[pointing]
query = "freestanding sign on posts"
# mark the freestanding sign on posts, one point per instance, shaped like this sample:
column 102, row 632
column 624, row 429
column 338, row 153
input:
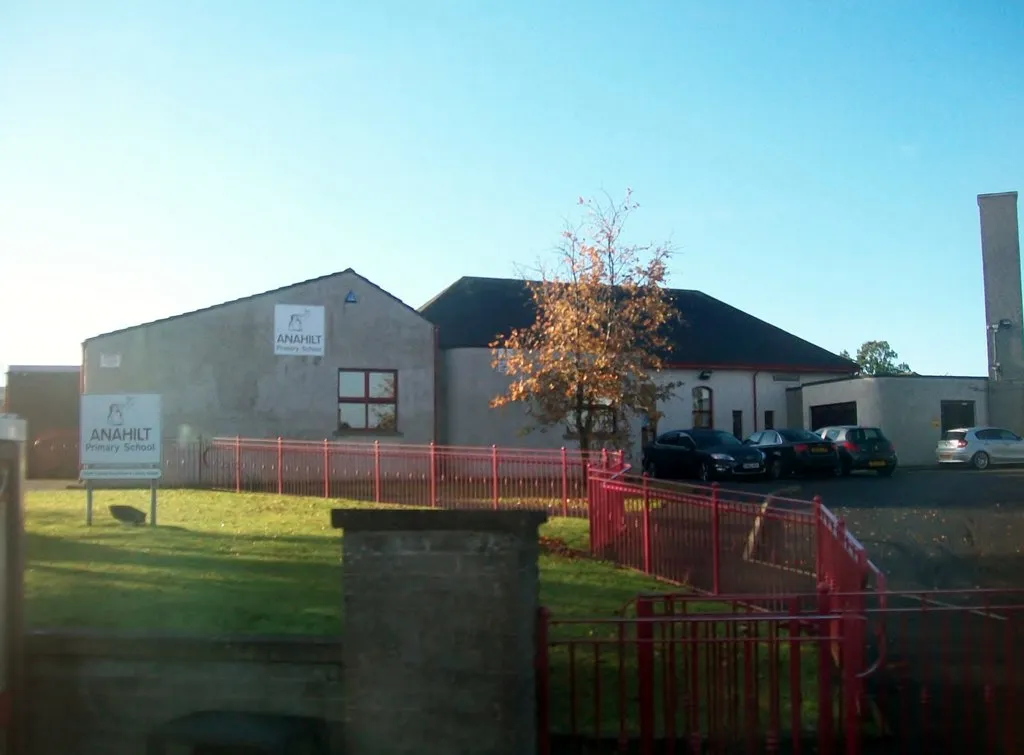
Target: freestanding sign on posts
column 120, row 440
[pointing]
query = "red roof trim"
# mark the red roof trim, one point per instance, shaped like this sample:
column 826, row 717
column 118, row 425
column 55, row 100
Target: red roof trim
column 760, row 367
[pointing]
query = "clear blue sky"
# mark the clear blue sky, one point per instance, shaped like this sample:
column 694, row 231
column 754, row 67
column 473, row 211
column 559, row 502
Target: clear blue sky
column 816, row 163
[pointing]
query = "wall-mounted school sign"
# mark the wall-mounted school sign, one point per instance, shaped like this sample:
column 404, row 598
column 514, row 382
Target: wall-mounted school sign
column 298, row 330
column 120, row 436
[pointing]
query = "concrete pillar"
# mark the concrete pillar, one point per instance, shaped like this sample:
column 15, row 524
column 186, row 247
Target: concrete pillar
column 439, row 625
column 1000, row 253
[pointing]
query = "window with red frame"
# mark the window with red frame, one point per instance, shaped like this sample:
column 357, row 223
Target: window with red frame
column 367, row 400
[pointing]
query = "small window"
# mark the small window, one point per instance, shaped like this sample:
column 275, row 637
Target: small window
column 500, row 360
column 798, row 436
column 861, row 434
column 604, row 416
column 956, row 434
column 737, row 423
column 755, row 439
column 832, row 434
column 769, row 419
column 703, row 407
column 367, row 400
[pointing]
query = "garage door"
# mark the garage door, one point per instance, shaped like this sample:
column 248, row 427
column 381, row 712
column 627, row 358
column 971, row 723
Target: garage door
column 824, row 415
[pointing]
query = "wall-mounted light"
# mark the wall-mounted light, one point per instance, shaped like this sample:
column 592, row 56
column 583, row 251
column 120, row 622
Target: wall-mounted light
column 704, row 375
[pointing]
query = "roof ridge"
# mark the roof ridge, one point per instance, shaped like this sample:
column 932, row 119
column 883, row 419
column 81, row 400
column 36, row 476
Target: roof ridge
column 249, row 297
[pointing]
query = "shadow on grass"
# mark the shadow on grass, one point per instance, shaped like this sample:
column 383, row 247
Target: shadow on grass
column 186, row 581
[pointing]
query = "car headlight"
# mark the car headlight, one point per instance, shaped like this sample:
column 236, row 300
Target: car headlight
column 722, row 457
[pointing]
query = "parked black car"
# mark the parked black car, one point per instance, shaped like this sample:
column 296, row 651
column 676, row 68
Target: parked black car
column 862, row 448
column 701, row 453
column 791, row 452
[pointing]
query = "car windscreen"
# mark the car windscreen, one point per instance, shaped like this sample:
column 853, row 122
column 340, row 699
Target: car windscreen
column 865, row 433
column 796, row 436
column 714, row 438
column 955, row 435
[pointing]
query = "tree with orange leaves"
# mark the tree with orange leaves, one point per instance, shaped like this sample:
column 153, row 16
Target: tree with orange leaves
column 591, row 357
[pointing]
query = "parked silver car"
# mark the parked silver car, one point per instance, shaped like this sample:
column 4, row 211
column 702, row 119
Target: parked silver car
column 980, row 447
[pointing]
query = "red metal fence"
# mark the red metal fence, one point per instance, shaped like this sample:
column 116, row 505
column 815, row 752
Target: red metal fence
column 417, row 475
column 828, row 673
column 715, row 540
column 721, row 541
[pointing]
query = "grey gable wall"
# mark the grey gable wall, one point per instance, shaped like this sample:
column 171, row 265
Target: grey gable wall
column 218, row 374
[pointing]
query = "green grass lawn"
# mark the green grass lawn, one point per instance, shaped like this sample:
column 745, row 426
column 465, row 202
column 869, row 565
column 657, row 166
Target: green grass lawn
column 236, row 564
column 226, row 563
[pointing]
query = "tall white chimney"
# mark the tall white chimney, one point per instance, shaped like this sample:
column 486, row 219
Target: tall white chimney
column 1004, row 311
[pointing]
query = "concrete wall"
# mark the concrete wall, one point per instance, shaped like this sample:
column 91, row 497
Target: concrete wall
column 908, row 409
column 101, row 693
column 218, row 374
column 471, row 382
column 440, row 611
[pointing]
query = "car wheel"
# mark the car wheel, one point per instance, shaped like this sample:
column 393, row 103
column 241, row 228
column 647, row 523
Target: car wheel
column 845, row 468
column 704, row 472
column 980, row 460
column 775, row 469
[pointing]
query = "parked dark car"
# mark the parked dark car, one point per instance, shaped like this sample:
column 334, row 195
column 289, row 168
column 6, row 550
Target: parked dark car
column 789, row 452
column 701, row 453
column 862, row 448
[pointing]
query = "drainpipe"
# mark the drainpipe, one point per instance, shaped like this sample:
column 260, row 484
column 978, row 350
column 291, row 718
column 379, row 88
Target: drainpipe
column 753, row 390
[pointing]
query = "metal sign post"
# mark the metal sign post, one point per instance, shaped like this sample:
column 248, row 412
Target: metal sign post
column 120, row 440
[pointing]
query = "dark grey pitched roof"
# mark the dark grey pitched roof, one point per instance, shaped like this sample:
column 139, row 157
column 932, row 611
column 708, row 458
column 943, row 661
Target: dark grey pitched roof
column 347, row 270
column 472, row 312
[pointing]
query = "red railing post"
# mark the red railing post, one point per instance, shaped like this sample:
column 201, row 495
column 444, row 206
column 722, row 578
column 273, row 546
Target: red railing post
column 716, row 545
column 565, row 482
column 592, row 509
column 646, row 526
column 542, row 670
column 376, row 471
column 819, row 540
column 238, row 464
column 852, row 647
column 645, row 671
column 280, row 469
column 433, row 475
column 840, row 570
column 795, row 668
column 494, row 477
column 825, row 725
column 604, row 458
column 327, row 469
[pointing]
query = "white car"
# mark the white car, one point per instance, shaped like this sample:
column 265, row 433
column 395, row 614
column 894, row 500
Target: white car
column 980, row 447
